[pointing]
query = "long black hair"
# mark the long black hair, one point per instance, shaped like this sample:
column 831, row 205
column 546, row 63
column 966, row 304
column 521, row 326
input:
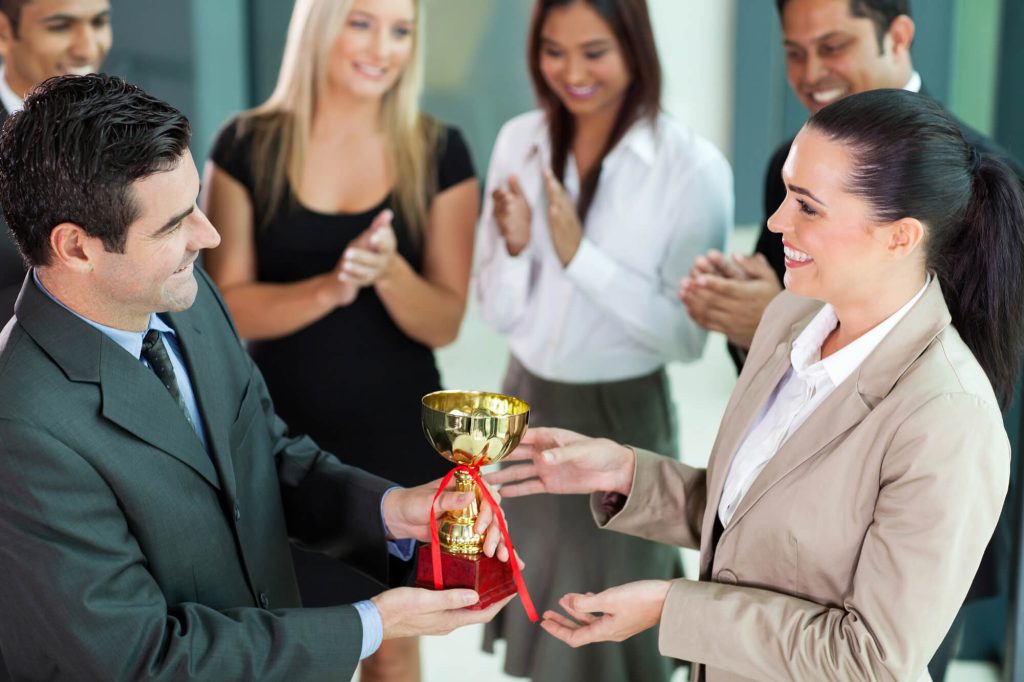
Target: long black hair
column 911, row 161
column 630, row 22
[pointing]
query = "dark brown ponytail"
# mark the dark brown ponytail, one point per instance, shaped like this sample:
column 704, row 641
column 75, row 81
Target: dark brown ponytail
column 911, row 160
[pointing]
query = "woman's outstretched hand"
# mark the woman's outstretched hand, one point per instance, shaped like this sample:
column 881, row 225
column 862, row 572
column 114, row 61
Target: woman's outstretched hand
column 614, row 615
column 561, row 461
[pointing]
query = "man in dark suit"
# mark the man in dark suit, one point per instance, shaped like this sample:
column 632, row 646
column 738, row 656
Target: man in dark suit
column 834, row 48
column 147, row 503
column 40, row 39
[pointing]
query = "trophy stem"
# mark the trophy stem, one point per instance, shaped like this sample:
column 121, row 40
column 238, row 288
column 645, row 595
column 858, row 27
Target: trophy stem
column 456, row 533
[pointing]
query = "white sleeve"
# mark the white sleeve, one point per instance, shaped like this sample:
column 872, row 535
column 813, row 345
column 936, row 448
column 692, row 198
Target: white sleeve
column 502, row 282
column 647, row 303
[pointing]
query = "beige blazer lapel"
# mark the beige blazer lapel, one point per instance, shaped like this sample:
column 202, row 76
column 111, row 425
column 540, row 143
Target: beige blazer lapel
column 841, row 411
column 851, row 401
column 753, row 389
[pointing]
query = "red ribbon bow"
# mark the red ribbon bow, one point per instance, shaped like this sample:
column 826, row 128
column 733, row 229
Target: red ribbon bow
column 435, row 540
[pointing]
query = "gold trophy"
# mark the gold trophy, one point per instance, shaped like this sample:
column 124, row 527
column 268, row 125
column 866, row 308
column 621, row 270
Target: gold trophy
column 470, row 429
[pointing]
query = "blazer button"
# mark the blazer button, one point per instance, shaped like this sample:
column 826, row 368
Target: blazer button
column 264, row 600
column 726, row 577
column 238, row 513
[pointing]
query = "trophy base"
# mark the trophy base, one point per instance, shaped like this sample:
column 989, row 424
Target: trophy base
column 492, row 579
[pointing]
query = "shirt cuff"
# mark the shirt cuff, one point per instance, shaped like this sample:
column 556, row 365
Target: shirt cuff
column 515, row 269
column 373, row 628
column 404, row 548
column 591, row 269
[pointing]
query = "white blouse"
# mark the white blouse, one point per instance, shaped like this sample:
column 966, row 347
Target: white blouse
column 665, row 197
column 801, row 390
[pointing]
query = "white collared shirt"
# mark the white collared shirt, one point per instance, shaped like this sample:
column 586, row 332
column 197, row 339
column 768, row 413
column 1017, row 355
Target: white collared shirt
column 665, row 197
column 804, row 387
column 914, row 84
column 11, row 100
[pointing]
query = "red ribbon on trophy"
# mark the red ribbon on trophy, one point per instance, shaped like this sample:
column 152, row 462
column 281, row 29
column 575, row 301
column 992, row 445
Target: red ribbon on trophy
column 435, row 540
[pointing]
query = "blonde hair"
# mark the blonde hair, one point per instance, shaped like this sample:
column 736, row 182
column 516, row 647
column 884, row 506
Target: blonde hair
column 281, row 125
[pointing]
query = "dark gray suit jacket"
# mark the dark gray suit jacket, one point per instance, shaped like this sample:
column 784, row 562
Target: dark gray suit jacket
column 127, row 551
column 12, row 267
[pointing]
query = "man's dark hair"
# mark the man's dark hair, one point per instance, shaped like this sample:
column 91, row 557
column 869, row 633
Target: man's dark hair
column 72, row 154
column 12, row 9
column 880, row 12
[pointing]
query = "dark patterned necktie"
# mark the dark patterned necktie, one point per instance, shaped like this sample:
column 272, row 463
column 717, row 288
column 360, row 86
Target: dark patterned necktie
column 155, row 353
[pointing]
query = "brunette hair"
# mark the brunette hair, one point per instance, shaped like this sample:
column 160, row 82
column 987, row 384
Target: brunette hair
column 73, row 153
column 631, row 24
column 880, row 12
column 911, row 160
column 12, row 10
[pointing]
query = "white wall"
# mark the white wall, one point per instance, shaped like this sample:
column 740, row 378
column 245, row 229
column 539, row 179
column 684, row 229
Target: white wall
column 696, row 40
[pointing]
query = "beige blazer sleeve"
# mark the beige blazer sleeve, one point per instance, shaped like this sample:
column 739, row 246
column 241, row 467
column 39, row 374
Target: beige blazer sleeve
column 666, row 503
column 932, row 519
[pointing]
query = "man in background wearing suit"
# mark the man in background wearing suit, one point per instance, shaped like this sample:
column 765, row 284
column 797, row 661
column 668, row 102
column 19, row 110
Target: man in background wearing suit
column 40, row 39
column 834, row 48
column 148, row 491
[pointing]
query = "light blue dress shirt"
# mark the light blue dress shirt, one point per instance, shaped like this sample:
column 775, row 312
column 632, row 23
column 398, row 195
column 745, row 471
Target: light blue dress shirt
column 373, row 628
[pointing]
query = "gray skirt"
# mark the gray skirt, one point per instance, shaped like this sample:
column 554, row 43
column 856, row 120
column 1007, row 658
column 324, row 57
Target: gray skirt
column 564, row 550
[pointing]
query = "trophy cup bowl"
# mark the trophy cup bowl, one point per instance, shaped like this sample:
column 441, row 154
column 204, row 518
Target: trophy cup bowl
column 471, row 428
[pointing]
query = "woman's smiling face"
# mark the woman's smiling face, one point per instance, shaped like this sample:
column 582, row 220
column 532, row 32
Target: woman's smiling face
column 833, row 245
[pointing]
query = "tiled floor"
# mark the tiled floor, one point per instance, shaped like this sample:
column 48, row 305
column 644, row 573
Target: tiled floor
column 700, row 391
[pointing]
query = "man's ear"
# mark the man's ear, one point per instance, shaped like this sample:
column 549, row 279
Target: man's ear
column 72, row 247
column 7, row 37
column 905, row 235
column 900, row 35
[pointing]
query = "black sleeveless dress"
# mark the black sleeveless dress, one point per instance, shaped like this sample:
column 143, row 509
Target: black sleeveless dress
column 352, row 380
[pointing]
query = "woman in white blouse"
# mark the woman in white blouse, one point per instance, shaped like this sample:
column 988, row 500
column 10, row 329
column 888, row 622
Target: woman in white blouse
column 595, row 207
column 861, row 464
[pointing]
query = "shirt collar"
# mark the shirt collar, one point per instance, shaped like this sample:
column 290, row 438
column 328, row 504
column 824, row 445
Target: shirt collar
column 129, row 340
column 914, row 84
column 640, row 140
column 806, row 353
column 12, row 101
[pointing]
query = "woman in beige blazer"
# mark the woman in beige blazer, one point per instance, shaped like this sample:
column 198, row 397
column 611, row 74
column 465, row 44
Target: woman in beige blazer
column 861, row 463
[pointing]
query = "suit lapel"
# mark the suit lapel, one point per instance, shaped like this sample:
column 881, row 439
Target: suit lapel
column 132, row 396
column 848, row 404
column 198, row 352
column 838, row 413
column 748, row 401
column 134, row 399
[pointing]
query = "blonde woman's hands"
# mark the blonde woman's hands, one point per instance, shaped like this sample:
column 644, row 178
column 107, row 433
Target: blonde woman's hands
column 561, row 461
column 370, row 255
column 513, row 215
column 614, row 615
column 563, row 221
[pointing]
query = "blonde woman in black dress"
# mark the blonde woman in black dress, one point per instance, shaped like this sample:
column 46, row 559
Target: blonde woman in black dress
column 347, row 220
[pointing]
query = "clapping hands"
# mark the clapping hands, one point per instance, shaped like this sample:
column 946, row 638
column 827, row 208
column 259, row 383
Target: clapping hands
column 729, row 296
column 368, row 257
column 513, row 214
